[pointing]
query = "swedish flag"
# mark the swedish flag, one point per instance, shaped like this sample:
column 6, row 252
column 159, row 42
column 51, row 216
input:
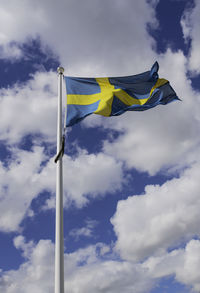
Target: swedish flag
column 113, row 96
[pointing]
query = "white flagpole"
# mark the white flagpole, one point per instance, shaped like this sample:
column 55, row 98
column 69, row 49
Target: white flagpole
column 59, row 241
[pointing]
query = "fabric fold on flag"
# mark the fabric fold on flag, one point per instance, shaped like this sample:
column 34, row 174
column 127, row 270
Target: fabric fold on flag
column 112, row 96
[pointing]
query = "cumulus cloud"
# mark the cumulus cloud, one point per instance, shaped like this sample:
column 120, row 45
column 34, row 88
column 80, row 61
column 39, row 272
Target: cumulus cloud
column 110, row 276
column 190, row 26
column 18, row 186
column 183, row 263
column 86, row 231
column 10, row 51
column 68, row 26
column 91, row 270
column 86, row 270
column 29, row 108
column 161, row 218
column 30, row 172
column 88, row 176
column 21, row 244
column 36, row 274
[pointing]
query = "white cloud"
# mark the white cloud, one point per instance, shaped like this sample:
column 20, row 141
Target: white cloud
column 36, row 274
column 86, row 231
column 164, row 216
column 92, row 175
column 92, row 270
column 85, row 271
column 26, row 248
column 188, row 274
column 184, row 264
column 29, row 108
column 191, row 25
column 88, row 176
column 30, row 172
column 119, row 33
column 14, row 29
column 18, row 186
column 110, row 276
column 10, row 50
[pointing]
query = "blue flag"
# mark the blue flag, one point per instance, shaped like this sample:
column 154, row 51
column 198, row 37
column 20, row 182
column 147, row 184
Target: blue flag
column 112, row 96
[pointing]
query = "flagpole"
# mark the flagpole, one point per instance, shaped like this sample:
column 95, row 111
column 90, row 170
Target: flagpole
column 59, row 241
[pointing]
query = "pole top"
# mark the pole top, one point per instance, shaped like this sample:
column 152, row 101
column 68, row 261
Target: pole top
column 60, row 70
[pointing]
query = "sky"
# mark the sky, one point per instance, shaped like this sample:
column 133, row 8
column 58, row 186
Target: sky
column 131, row 183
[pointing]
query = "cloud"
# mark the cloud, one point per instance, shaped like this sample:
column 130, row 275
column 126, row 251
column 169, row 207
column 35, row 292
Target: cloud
column 28, row 173
column 86, row 231
column 88, row 176
column 36, row 274
column 29, row 108
column 161, row 218
column 110, row 276
column 92, row 270
column 14, row 28
column 86, row 270
column 97, row 174
column 10, row 51
column 190, row 26
column 183, row 263
column 21, row 244
column 69, row 26
column 18, row 186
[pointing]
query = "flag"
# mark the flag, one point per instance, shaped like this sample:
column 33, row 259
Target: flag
column 112, row 96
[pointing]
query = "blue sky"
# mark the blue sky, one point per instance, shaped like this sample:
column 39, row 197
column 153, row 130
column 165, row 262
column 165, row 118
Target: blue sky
column 131, row 183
